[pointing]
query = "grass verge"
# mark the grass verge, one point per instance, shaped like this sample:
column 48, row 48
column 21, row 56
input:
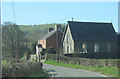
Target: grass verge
column 113, row 71
column 4, row 62
column 43, row 73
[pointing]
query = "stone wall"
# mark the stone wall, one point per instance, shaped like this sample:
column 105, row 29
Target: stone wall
column 85, row 61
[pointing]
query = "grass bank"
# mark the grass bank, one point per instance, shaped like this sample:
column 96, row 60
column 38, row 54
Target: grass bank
column 4, row 62
column 113, row 71
column 43, row 73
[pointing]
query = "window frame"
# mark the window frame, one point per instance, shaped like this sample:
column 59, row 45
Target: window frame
column 84, row 48
column 96, row 48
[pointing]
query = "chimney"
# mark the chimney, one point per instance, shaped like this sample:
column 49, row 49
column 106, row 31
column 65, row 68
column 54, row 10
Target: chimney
column 57, row 26
column 72, row 18
column 50, row 29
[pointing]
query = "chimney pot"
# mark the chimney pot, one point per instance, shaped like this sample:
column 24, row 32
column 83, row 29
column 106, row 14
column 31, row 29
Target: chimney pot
column 50, row 29
column 57, row 26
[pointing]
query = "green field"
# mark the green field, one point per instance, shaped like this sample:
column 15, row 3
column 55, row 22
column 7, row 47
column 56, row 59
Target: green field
column 112, row 71
column 42, row 27
column 28, row 28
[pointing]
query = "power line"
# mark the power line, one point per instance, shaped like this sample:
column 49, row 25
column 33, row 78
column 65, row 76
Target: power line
column 14, row 12
column 17, row 56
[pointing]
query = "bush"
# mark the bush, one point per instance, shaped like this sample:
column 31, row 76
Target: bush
column 85, row 61
column 21, row 69
column 27, row 55
column 43, row 52
column 50, row 51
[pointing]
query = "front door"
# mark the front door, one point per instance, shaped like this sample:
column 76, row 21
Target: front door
column 67, row 49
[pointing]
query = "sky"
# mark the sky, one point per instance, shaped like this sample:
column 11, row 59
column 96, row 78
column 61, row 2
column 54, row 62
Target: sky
column 30, row 13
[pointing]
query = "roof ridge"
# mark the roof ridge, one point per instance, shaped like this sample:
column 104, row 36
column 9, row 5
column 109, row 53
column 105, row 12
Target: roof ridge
column 47, row 34
column 84, row 31
column 90, row 22
column 50, row 34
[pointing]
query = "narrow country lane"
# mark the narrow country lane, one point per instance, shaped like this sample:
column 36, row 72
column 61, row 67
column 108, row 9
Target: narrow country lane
column 58, row 71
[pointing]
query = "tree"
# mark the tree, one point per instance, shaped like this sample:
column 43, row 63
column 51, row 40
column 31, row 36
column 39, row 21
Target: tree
column 43, row 52
column 27, row 55
column 13, row 39
column 33, row 49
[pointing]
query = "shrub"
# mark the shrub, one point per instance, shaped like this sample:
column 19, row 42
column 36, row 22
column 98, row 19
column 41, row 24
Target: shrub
column 27, row 55
column 85, row 61
column 21, row 69
column 43, row 52
column 50, row 51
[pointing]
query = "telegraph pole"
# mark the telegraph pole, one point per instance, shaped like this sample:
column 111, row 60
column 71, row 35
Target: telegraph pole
column 16, row 33
column 17, row 46
column 57, row 43
column 0, row 50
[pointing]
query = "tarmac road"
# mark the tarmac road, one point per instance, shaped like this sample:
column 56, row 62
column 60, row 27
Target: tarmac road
column 58, row 71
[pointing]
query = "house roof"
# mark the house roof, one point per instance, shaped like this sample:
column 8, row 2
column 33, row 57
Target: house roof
column 92, row 31
column 50, row 34
column 118, row 37
column 64, row 33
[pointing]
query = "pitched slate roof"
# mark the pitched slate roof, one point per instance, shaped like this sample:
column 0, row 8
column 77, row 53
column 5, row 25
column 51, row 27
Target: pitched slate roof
column 49, row 34
column 118, row 37
column 64, row 33
column 92, row 31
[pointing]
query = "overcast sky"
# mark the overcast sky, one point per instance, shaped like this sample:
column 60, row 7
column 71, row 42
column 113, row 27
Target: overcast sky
column 28, row 13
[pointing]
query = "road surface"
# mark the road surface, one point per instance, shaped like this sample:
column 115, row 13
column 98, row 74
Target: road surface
column 58, row 71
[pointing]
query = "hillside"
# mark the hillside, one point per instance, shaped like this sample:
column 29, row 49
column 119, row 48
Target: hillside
column 29, row 28
column 33, row 33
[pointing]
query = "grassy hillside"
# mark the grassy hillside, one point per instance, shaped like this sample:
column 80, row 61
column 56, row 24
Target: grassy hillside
column 32, row 35
column 43, row 27
column 35, row 32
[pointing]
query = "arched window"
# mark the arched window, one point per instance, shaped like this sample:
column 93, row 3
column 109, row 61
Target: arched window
column 84, row 48
column 96, row 48
column 108, row 48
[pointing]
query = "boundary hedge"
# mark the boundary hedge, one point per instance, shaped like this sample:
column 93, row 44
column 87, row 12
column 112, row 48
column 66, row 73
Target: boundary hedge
column 85, row 61
column 21, row 69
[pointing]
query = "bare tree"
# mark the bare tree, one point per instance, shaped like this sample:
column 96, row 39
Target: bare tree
column 12, row 37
